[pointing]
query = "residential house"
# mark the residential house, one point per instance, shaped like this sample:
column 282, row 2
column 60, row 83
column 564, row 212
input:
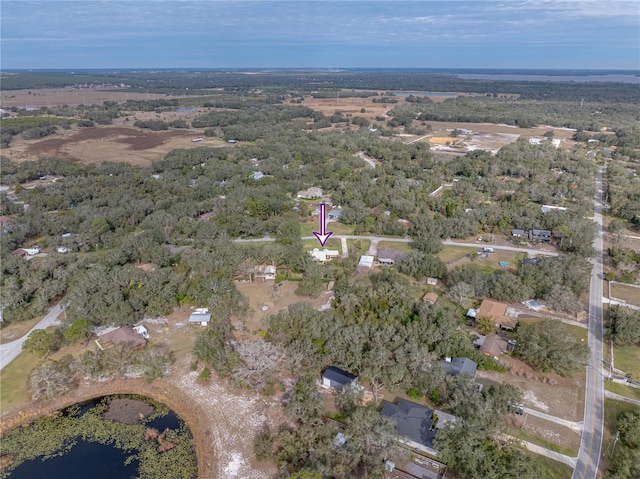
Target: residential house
column 493, row 346
column 540, row 235
column 430, row 298
column 518, row 233
column 496, row 311
column 200, row 317
column 334, row 215
column 416, row 424
column 546, row 208
column 121, row 336
column 389, row 256
column 257, row 175
column 310, row 193
column 324, row 255
column 432, row 281
column 337, row 379
column 457, row 366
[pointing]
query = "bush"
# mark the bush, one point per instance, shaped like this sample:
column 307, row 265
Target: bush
column 205, row 375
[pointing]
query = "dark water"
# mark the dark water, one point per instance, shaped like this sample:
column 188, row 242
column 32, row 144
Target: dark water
column 90, row 459
column 609, row 77
column 184, row 108
column 84, row 460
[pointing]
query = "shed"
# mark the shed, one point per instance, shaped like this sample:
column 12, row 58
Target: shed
column 432, row 281
column 430, row 298
column 335, row 378
column 518, row 233
column 366, row 261
column 200, row 317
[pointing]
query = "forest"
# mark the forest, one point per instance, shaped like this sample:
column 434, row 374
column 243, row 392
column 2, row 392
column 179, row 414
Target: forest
column 183, row 214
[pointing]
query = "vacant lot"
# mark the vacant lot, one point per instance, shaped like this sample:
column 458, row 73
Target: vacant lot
column 267, row 298
column 627, row 358
column 551, row 393
column 104, row 143
column 626, row 293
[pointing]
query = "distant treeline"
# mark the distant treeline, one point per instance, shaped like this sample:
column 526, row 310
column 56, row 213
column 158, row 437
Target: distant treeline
column 200, row 82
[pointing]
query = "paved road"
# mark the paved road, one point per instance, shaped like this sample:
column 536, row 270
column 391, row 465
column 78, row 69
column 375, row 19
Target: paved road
column 591, row 444
column 529, row 251
column 9, row 351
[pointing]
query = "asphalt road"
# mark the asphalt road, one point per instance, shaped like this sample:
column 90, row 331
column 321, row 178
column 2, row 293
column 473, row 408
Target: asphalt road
column 9, row 351
column 593, row 423
column 529, row 251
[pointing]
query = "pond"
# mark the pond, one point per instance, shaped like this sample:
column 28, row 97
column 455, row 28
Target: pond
column 114, row 436
column 85, row 459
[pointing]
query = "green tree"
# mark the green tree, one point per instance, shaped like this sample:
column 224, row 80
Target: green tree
column 40, row 342
column 624, row 325
column 549, row 346
column 485, row 325
column 629, row 427
column 80, row 330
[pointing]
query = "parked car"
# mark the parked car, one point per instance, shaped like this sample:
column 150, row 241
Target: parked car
column 62, row 249
column 33, row 250
column 487, row 249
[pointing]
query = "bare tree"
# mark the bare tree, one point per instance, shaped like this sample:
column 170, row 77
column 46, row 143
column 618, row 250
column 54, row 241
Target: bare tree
column 259, row 360
column 461, row 292
column 51, row 379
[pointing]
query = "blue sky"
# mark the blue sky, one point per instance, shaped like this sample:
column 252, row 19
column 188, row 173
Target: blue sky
column 598, row 34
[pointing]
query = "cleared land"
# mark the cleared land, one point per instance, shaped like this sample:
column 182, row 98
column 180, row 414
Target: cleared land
column 627, row 293
column 48, row 97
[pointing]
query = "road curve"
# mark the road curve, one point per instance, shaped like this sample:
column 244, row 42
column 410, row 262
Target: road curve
column 593, row 423
column 9, row 351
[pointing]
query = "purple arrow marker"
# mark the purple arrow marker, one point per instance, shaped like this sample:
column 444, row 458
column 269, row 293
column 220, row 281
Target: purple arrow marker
column 323, row 234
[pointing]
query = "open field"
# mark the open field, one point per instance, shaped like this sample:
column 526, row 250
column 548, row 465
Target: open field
column 627, row 293
column 627, row 358
column 48, row 97
column 551, row 469
column 450, row 254
column 266, row 299
column 13, row 381
column 308, row 227
column 104, row 143
column 549, row 392
column 546, row 434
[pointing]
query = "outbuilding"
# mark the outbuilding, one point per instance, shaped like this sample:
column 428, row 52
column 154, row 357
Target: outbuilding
column 337, row 379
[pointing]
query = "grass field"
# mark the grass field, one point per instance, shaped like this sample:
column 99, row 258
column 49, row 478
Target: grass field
column 307, row 229
column 627, row 358
column 362, row 245
column 404, row 247
column 622, row 390
column 540, row 441
column 13, row 381
column 626, row 293
column 454, row 253
column 550, row 469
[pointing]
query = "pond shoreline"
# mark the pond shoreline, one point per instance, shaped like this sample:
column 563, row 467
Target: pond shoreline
column 160, row 391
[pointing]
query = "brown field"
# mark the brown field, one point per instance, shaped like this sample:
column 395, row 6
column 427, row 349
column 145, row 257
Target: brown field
column 49, row 97
column 104, row 143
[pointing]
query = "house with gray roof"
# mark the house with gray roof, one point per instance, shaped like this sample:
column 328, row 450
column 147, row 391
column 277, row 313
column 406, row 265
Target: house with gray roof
column 456, row 366
column 337, row 379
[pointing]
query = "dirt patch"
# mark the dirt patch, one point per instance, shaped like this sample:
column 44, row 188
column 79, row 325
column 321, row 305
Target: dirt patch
column 128, row 411
column 266, row 299
column 562, row 397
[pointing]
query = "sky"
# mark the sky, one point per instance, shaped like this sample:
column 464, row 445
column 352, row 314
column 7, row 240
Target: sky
column 568, row 34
